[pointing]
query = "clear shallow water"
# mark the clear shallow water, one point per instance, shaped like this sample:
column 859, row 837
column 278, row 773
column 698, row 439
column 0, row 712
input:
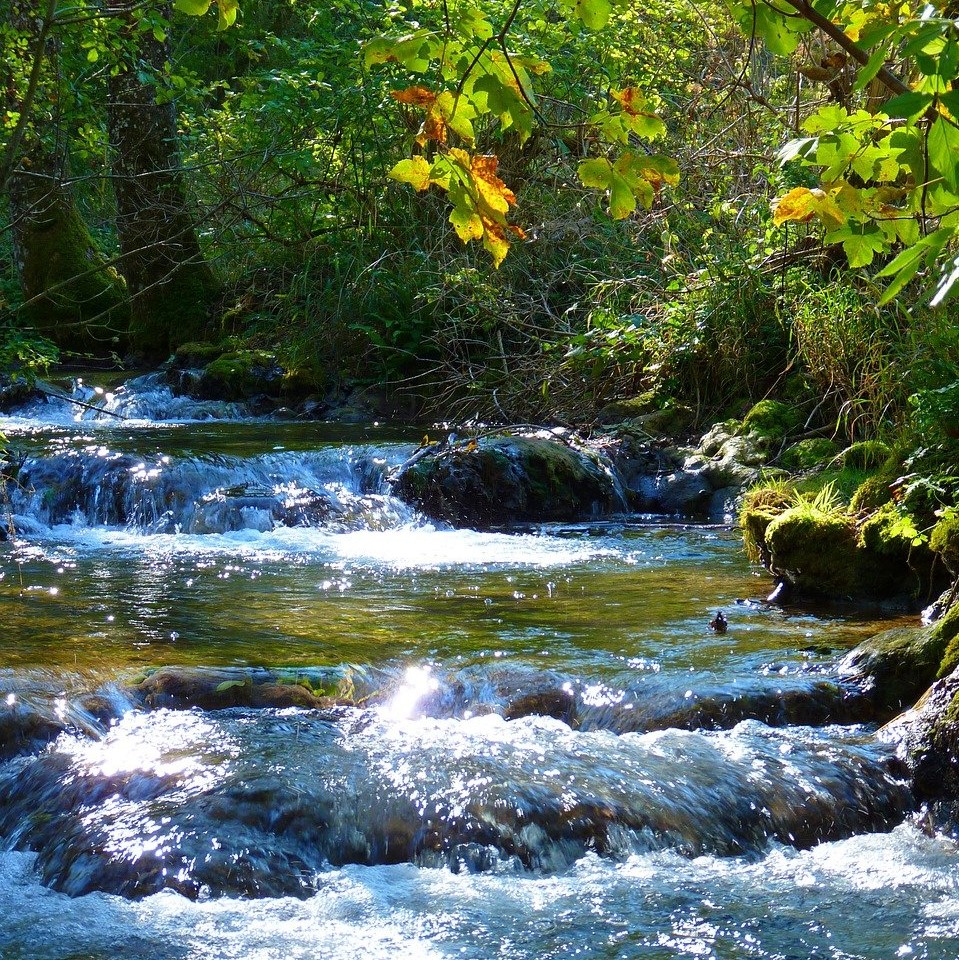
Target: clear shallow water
column 444, row 627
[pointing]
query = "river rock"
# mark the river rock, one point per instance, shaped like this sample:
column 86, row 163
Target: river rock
column 504, row 479
column 894, row 667
column 555, row 702
column 209, row 688
column 24, row 730
column 15, row 393
column 929, row 742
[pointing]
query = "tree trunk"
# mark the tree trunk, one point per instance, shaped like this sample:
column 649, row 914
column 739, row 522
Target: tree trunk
column 172, row 286
column 69, row 292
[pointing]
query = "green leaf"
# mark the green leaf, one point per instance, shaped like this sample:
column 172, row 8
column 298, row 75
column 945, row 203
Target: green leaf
column 226, row 13
column 594, row 13
column 950, row 101
column 906, row 265
column 945, row 288
column 907, row 105
column 229, row 685
column 860, row 243
column 622, row 200
column 415, row 171
column 873, row 65
column 595, row 173
column 193, row 8
column 944, row 151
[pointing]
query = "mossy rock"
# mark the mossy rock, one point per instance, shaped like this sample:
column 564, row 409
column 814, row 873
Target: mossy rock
column 883, row 533
column 944, row 541
column 947, row 630
column 865, row 455
column 771, row 419
column 197, row 353
column 241, row 374
column 502, row 480
column 760, row 506
column 183, row 688
column 674, row 421
column 809, row 453
column 871, row 494
column 897, row 665
column 815, row 551
column 929, row 735
column 628, row 408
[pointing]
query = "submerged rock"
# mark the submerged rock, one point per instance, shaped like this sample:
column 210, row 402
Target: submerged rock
column 211, row 688
column 503, row 479
column 220, row 805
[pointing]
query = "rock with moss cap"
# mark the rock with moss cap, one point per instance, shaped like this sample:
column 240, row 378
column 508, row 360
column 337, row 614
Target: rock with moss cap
column 183, row 688
column 814, row 551
column 865, row 455
column 944, row 541
column 239, row 375
column 502, row 479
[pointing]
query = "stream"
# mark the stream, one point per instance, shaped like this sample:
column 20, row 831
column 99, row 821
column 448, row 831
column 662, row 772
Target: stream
column 525, row 743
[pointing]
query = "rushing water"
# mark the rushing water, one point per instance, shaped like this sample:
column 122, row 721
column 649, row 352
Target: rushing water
column 538, row 750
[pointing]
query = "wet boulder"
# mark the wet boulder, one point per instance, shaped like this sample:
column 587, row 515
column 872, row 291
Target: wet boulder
column 504, row 479
column 14, row 392
column 894, row 667
column 23, row 729
column 929, row 743
column 556, row 702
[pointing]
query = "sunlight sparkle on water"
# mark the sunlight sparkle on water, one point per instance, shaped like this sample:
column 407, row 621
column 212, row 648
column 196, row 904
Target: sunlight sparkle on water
column 418, row 682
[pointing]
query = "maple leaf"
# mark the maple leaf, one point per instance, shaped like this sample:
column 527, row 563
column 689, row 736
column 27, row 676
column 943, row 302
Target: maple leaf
column 802, row 204
column 415, row 96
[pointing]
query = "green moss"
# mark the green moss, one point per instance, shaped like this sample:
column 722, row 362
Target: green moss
column 771, row 419
column 843, row 483
column 871, row 494
column 196, row 353
column 887, row 532
column 809, row 453
column 947, row 632
column 76, row 305
column 815, row 549
column 944, row 540
column 901, row 663
column 242, row 373
column 760, row 506
column 867, row 455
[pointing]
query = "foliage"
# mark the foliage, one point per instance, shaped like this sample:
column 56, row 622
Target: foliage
column 23, row 354
column 889, row 173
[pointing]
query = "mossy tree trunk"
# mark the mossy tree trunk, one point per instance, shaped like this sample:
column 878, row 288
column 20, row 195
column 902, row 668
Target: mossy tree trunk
column 69, row 292
column 172, row 286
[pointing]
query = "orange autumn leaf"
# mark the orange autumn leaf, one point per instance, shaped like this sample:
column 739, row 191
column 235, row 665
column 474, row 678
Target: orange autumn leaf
column 415, row 96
